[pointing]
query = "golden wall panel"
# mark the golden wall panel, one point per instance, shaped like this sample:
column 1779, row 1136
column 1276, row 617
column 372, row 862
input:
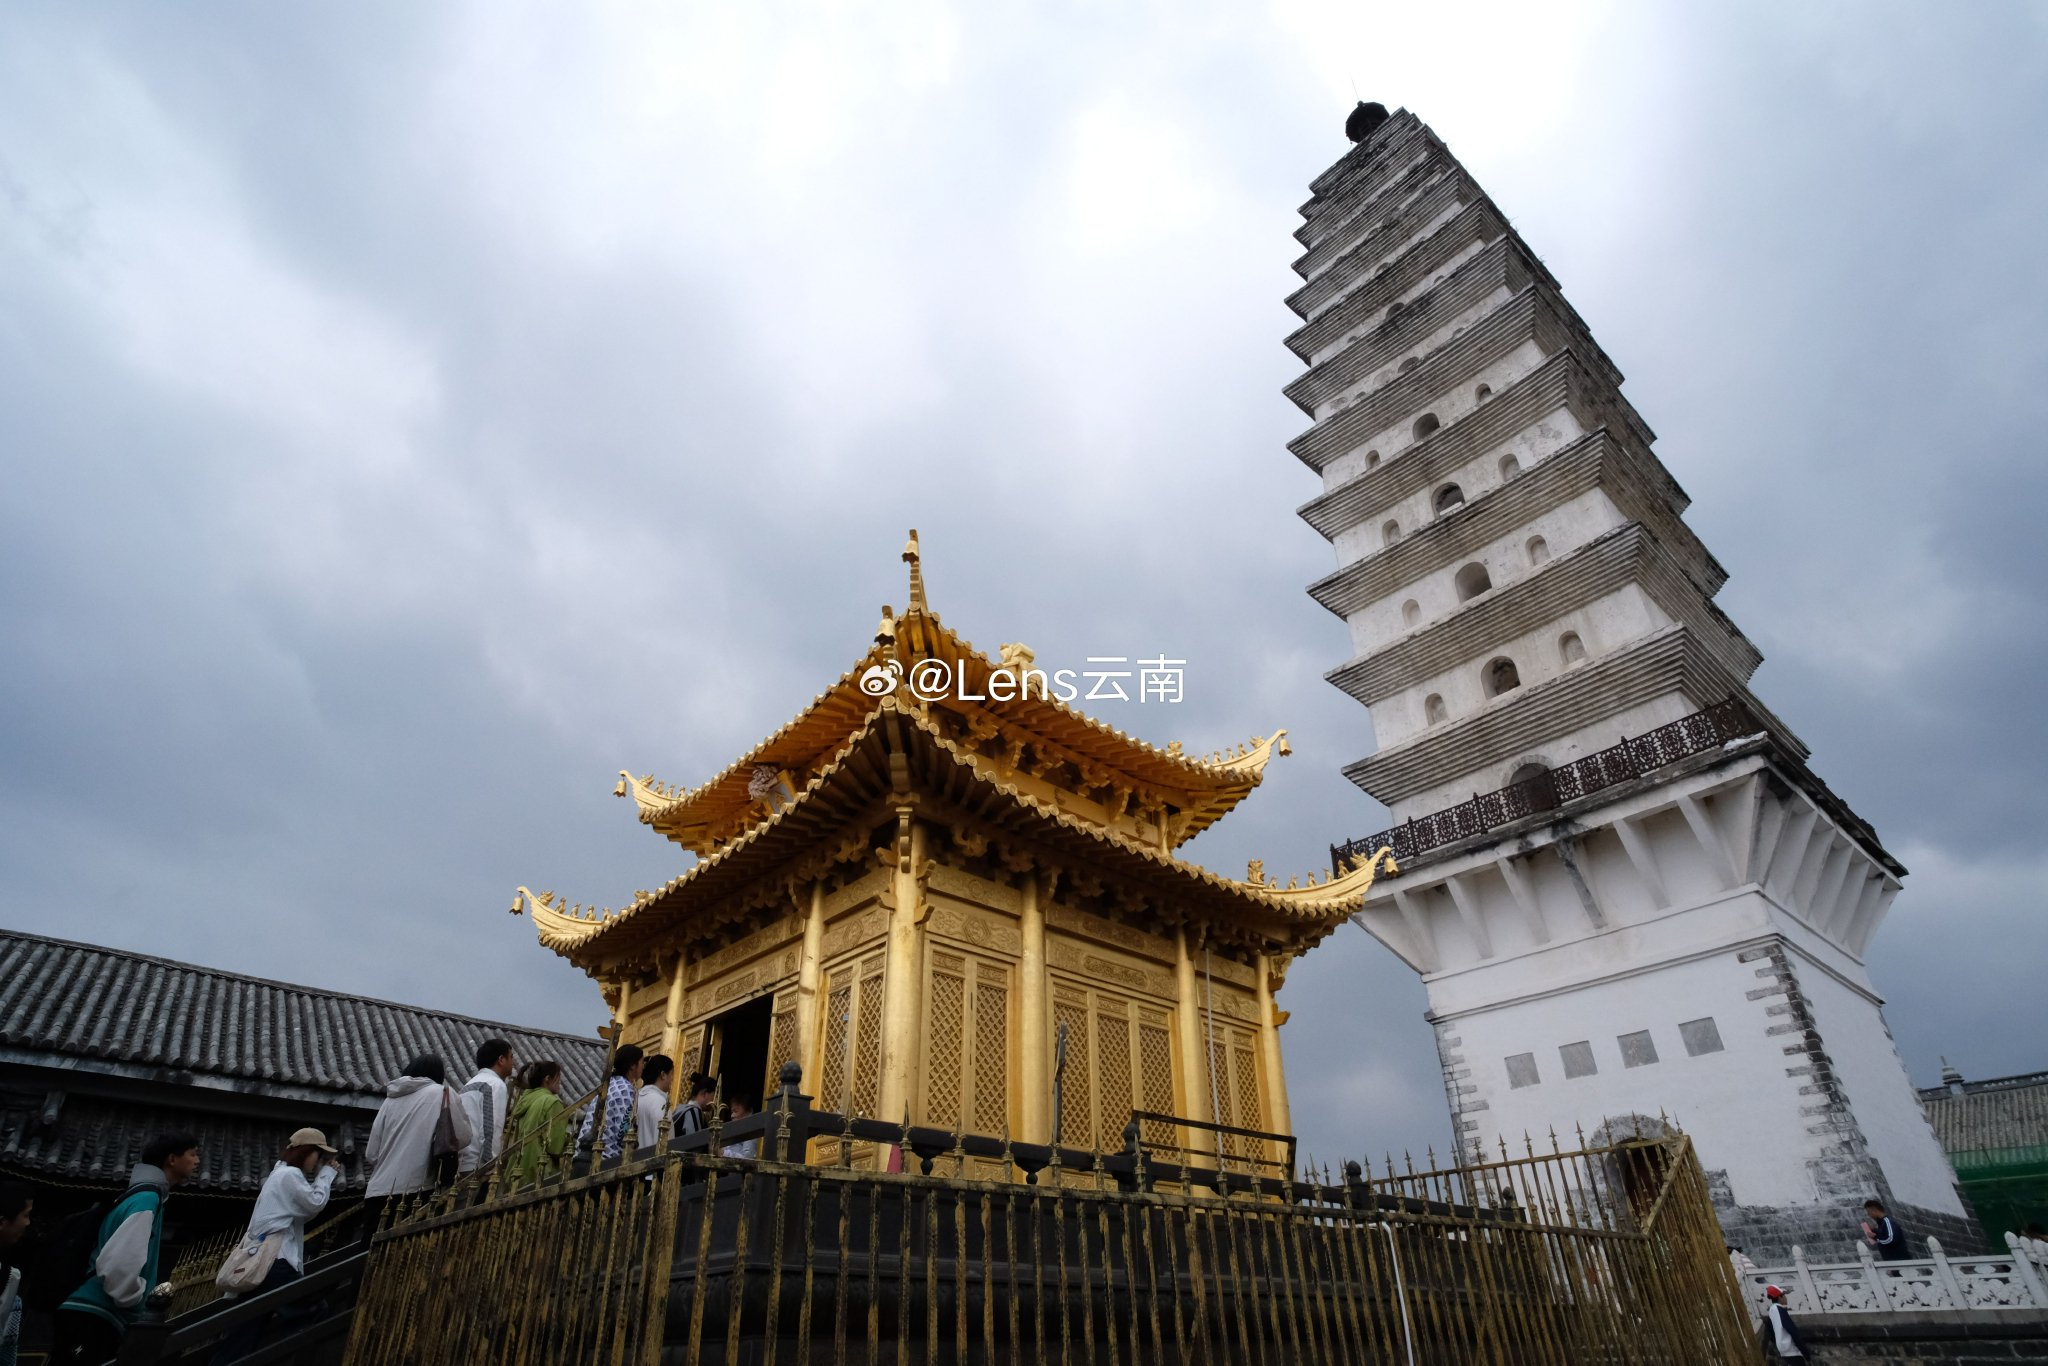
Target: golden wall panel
column 1227, row 970
column 864, row 888
column 974, row 927
column 966, row 886
column 761, row 941
column 647, row 996
column 854, row 930
column 1086, row 926
column 1093, row 963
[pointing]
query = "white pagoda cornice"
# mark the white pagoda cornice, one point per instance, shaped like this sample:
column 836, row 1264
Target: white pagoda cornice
column 1337, row 291
column 1670, row 662
column 1328, row 236
column 1626, row 473
column 1535, row 316
column 1411, row 203
column 1561, row 383
column 1629, row 554
column 1381, row 344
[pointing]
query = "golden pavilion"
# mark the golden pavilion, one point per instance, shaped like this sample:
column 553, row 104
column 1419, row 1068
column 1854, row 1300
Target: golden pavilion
column 929, row 903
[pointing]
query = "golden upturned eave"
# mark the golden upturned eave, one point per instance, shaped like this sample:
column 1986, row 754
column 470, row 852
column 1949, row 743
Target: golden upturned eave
column 579, row 933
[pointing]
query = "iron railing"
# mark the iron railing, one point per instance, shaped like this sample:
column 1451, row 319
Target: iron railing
column 902, row 1244
column 1703, row 730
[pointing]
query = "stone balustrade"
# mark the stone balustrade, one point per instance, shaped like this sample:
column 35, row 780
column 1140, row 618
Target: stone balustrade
column 2015, row 1279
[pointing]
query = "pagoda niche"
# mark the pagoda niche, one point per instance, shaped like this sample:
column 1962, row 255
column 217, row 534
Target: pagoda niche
column 914, row 899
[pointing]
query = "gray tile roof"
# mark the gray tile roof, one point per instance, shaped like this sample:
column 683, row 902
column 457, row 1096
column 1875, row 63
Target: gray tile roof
column 99, row 1141
column 1990, row 1116
column 88, row 1003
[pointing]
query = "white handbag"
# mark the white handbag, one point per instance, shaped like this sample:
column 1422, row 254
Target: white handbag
column 248, row 1266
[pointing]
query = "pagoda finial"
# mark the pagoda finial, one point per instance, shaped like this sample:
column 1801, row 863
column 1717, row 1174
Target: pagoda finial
column 911, row 558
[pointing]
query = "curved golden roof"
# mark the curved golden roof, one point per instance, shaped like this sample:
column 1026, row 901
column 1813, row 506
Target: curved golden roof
column 1198, row 791
column 863, row 775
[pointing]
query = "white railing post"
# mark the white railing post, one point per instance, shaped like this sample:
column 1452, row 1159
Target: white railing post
column 1874, row 1276
column 2026, row 1273
column 1804, row 1281
column 1945, row 1275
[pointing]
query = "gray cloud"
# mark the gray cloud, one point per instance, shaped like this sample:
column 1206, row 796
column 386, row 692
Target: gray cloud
column 413, row 416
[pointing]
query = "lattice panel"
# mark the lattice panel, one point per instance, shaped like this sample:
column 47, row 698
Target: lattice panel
column 1155, row 1078
column 1220, row 1093
column 1113, row 1076
column 782, row 1045
column 1245, row 1079
column 867, row 1042
column 991, row 1051
column 944, row 1041
column 1076, row 1082
column 838, row 1022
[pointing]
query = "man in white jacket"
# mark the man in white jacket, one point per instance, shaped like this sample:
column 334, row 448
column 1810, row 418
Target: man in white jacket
column 401, row 1147
column 485, row 1099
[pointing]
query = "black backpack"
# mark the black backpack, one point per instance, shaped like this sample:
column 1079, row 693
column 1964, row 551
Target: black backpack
column 64, row 1257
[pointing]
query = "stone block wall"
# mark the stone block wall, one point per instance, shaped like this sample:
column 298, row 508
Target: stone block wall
column 1830, row 1233
column 1975, row 1337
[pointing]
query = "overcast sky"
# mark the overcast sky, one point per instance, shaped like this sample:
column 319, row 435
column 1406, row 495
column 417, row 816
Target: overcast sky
column 413, row 414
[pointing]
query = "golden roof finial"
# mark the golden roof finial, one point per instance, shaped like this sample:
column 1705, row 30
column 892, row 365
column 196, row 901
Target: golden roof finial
column 911, row 558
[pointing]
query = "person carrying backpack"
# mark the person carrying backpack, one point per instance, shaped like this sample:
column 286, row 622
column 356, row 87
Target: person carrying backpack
column 122, row 1268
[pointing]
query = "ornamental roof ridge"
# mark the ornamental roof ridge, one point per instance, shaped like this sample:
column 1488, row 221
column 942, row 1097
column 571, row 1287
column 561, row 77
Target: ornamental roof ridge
column 919, row 633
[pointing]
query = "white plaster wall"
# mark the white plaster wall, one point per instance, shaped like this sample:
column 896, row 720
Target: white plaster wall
column 1626, row 614
column 1867, row 1064
column 1741, row 1109
column 1541, row 439
column 1582, row 519
column 1419, row 348
column 1448, row 407
column 1372, row 265
column 1350, row 225
column 1366, row 277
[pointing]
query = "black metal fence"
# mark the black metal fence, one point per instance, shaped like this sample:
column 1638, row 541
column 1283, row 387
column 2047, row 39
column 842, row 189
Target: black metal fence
column 899, row 1244
column 1703, row 730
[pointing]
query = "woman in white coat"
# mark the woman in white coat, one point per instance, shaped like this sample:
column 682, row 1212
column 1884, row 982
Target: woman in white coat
column 296, row 1190
column 401, row 1147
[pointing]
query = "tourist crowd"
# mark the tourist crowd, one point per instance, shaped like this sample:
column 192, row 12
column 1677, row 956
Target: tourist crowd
column 101, row 1268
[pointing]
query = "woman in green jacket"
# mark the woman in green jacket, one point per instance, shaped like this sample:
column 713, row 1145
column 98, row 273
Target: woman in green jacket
column 540, row 1127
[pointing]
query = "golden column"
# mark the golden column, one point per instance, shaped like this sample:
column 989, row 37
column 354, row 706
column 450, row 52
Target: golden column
column 810, row 1038
column 1194, row 1048
column 904, row 970
column 1277, row 1120
column 672, row 1030
column 1036, row 1043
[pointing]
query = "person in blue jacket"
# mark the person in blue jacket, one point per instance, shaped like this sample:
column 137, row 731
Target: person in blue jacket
column 1883, row 1233
column 94, row 1317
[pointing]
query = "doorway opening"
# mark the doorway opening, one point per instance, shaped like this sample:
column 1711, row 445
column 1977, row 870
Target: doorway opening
column 736, row 1050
